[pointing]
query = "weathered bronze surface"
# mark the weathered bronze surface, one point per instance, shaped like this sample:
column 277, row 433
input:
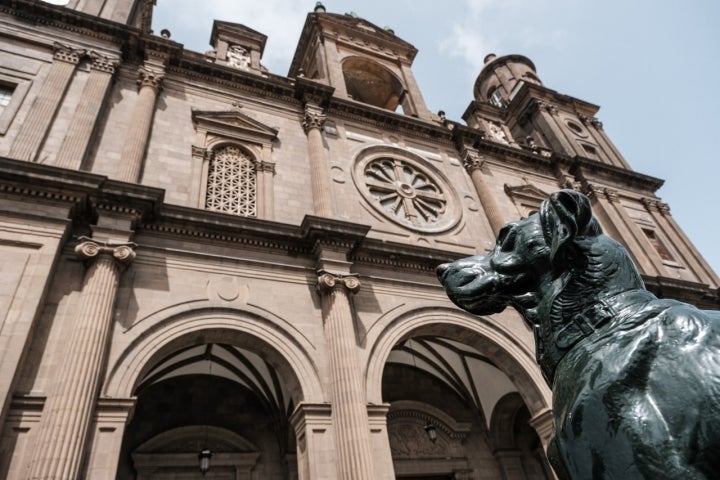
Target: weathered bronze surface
column 635, row 379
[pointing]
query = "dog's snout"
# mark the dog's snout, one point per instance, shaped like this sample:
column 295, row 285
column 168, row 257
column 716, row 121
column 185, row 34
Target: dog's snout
column 441, row 269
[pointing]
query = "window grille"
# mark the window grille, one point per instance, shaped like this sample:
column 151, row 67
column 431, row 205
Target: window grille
column 231, row 186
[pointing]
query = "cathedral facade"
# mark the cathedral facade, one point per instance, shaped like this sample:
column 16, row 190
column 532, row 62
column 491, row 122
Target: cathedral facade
column 210, row 270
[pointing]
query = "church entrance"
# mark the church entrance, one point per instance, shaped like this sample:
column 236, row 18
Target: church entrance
column 211, row 397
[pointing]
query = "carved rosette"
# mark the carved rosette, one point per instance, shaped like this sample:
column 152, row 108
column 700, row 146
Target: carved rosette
column 102, row 63
column 67, row 54
column 314, row 118
column 89, row 250
column 150, row 78
column 327, row 282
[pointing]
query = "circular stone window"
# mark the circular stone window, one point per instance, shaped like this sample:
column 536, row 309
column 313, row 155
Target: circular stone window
column 406, row 192
column 576, row 128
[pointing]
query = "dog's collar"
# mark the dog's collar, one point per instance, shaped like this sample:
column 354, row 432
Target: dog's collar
column 596, row 315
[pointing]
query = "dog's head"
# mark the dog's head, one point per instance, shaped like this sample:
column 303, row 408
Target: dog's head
column 528, row 254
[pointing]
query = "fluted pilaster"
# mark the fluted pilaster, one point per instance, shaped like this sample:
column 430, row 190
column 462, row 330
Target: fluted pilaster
column 314, row 121
column 78, row 137
column 35, row 127
column 68, row 411
column 473, row 164
column 133, row 154
column 349, row 402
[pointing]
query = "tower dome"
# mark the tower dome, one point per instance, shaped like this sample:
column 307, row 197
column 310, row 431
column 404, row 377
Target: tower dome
column 501, row 75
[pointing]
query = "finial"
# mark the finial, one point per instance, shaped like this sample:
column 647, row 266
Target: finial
column 319, row 7
column 389, row 29
column 489, row 58
column 165, row 33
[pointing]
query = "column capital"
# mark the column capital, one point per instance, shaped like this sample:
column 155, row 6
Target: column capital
column 201, row 152
column 67, row 54
column 150, row 78
column 542, row 104
column 89, row 249
column 102, row 63
column 328, row 281
column 265, row 167
column 473, row 161
column 314, row 118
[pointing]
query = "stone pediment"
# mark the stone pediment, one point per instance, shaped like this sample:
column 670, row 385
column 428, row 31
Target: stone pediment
column 527, row 198
column 356, row 28
column 236, row 33
column 526, row 192
column 233, row 123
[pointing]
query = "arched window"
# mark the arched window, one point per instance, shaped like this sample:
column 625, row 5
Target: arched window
column 232, row 182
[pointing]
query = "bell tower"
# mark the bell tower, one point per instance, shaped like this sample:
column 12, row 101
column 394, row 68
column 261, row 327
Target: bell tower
column 361, row 61
column 537, row 115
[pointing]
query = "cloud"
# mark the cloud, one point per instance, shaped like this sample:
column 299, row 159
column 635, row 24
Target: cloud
column 481, row 27
column 280, row 20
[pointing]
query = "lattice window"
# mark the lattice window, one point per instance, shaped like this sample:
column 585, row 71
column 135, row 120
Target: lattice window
column 231, row 186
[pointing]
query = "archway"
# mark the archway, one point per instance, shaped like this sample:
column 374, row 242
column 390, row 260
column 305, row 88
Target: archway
column 211, row 369
column 448, row 368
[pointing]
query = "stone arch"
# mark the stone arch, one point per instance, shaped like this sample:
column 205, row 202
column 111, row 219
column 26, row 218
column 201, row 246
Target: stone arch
column 370, row 82
column 512, row 357
column 283, row 351
column 502, row 421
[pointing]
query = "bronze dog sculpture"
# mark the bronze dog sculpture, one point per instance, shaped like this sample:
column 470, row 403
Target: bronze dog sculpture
column 635, row 379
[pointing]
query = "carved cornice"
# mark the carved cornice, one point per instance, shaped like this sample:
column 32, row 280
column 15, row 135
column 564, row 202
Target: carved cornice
column 586, row 169
column 89, row 250
column 67, row 54
column 327, row 282
column 385, row 119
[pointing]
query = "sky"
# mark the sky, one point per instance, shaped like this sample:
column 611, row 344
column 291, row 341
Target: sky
column 651, row 66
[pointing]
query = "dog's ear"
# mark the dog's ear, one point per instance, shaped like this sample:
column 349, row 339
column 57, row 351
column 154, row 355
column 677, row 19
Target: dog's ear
column 564, row 216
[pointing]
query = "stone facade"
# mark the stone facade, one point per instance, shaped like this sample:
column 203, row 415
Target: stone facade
column 199, row 254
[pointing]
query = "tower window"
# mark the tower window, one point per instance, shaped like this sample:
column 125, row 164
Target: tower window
column 371, row 83
column 231, row 185
column 658, row 245
column 496, row 98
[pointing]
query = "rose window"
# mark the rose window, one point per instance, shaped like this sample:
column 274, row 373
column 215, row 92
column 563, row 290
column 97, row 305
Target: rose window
column 405, row 193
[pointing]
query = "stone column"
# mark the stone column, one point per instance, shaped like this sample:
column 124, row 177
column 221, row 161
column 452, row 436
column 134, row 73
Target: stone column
column 35, row 127
column 67, row 414
column 77, row 139
column 150, row 83
column 474, row 165
column 349, row 404
column 314, row 121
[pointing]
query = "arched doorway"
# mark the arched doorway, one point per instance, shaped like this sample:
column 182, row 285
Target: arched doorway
column 224, row 398
column 444, row 374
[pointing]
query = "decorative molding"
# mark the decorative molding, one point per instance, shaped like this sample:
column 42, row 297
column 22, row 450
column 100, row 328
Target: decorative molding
column 67, row 54
column 102, row 63
column 314, row 118
column 327, row 282
column 150, row 78
column 89, row 249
